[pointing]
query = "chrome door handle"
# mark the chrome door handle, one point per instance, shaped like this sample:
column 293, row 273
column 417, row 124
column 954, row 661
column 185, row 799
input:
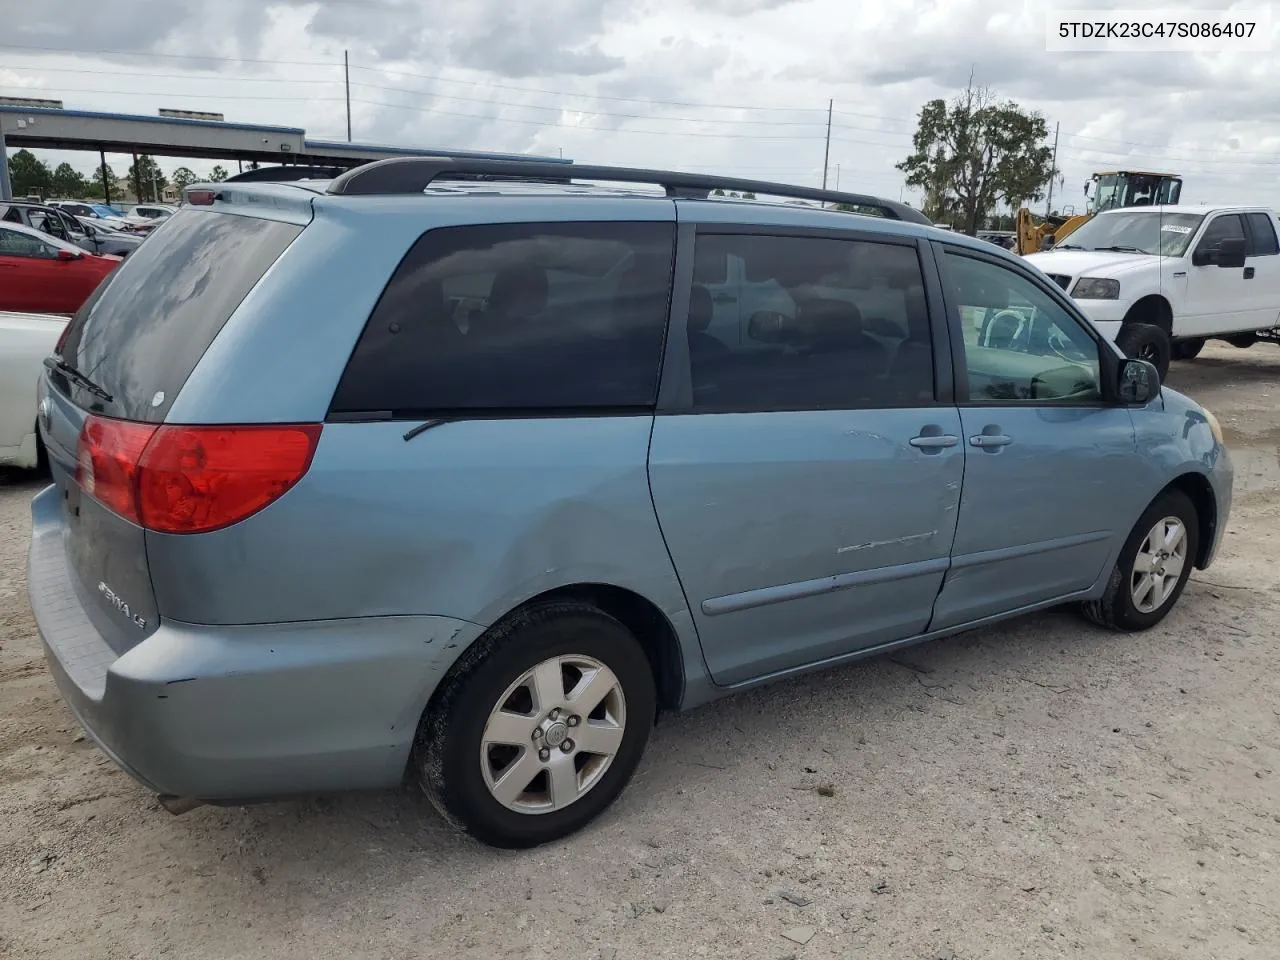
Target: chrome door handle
column 990, row 440
column 933, row 443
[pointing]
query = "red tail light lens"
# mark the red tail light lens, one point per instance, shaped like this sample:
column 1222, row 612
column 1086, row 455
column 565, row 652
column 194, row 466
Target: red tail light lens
column 193, row 479
column 201, row 198
column 107, row 456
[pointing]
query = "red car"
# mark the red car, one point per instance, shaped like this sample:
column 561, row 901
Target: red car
column 42, row 274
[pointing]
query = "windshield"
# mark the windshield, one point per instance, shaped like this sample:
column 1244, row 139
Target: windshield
column 1166, row 234
column 102, row 210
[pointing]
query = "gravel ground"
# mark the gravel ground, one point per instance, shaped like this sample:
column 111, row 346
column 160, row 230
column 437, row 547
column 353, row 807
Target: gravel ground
column 1043, row 789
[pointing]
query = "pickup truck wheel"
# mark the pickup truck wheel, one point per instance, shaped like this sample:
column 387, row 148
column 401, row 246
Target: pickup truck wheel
column 1188, row 349
column 1143, row 341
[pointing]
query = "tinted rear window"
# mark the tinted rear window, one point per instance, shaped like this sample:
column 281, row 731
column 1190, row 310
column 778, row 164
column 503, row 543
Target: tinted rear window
column 143, row 331
column 517, row 317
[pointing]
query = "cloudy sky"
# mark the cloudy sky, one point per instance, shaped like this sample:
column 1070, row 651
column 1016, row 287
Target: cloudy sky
column 739, row 86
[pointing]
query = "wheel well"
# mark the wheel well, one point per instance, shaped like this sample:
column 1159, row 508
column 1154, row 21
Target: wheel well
column 1153, row 309
column 647, row 623
column 1197, row 488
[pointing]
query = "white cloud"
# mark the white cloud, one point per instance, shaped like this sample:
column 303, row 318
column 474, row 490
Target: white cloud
column 735, row 85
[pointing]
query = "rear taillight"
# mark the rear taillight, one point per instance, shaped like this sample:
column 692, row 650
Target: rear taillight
column 107, row 462
column 191, row 479
column 201, row 198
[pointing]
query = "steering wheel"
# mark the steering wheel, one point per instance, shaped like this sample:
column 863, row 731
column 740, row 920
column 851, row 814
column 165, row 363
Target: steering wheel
column 991, row 330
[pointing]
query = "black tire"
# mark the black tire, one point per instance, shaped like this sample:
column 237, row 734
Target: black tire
column 42, row 456
column 448, row 747
column 1188, row 349
column 1146, row 342
column 1116, row 608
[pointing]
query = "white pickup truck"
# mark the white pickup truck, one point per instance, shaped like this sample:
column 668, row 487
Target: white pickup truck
column 1159, row 281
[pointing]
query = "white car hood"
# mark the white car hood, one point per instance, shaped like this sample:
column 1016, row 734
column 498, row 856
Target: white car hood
column 1093, row 263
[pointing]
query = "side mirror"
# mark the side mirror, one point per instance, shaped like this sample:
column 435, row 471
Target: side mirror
column 1230, row 252
column 68, row 255
column 769, row 326
column 1139, row 383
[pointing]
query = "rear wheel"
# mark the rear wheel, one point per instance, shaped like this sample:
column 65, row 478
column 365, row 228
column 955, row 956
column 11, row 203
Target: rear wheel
column 1152, row 568
column 1188, row 349
column 1146, row 342
column 539, row 727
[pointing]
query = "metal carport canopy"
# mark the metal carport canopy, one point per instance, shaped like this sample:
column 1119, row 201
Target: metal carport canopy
column 56, row 129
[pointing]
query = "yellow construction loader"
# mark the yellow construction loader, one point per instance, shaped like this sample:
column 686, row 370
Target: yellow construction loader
column 1104, row 191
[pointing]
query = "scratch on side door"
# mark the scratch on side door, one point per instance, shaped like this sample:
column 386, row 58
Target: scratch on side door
column 872, row 544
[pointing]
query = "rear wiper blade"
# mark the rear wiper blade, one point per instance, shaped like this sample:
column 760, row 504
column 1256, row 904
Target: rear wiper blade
column 75, row 376
column 424, row 427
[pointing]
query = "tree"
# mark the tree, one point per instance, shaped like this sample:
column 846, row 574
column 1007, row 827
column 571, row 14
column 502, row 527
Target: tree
column 29, row 175
column 68, row 181
column 218, row 174
column 183, row 177
column 95, row 187
column 147, row 178
column 975, row 152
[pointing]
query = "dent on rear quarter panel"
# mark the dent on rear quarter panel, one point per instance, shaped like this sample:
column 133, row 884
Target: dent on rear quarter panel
column 467, row 520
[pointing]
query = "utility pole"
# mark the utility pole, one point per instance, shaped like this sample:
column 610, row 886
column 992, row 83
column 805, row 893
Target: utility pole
column 106, row 180
column 346, row 73
column 826, row 156
column 6, row 189
column 1053, row 174
column 837, row 176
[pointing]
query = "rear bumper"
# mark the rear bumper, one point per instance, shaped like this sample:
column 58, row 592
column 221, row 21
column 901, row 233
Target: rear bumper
column 244, row 712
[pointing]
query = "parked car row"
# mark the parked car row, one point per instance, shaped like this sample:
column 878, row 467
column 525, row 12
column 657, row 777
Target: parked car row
column 139, row 218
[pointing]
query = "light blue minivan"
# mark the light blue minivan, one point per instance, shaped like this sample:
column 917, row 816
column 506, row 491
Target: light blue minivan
column 463, row 470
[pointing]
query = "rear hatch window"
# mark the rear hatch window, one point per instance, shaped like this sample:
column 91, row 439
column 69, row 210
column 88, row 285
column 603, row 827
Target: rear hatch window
column 144, row 330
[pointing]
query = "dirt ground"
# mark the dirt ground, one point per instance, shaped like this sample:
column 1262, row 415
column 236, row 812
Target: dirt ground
column 1043, row 789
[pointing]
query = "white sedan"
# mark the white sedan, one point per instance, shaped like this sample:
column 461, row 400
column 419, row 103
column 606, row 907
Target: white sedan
column 25, row 340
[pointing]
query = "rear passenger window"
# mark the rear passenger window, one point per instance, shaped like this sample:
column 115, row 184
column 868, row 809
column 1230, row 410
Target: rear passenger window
column 802, row 323
column 1264, row 235
column 517, row 317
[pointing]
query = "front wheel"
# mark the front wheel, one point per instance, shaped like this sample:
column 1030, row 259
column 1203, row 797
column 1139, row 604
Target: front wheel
column 539, row 727
column 1152, row 568
column 1143, row 341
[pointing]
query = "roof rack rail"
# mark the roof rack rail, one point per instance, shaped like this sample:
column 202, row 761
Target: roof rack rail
column 409, row 175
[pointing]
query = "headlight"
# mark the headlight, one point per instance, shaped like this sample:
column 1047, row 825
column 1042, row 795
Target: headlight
column 1214, row 426
column 1096, row 288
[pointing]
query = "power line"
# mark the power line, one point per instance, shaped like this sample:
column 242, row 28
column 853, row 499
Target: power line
column 756, row 108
